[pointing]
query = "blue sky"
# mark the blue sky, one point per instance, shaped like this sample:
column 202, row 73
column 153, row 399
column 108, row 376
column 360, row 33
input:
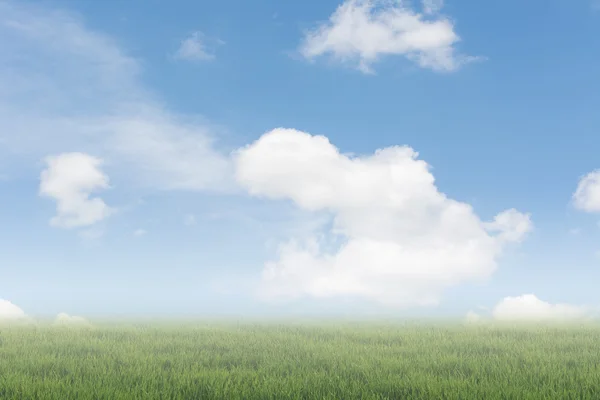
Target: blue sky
column 194, row 158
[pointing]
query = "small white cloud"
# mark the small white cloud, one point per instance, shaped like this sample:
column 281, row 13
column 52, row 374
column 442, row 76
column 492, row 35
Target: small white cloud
column 195, row 48
column 528, row 308
column 574, row 231
column 512, row 225
column 363, row 31
column 70, row 179
column 189, row 220
column 140, row 232
column 10, row 312
column 394, row 237
column 70, row 320
column 432, row 6
column 587, row 195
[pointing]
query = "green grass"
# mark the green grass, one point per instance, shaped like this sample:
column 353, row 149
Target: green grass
column 293, row 361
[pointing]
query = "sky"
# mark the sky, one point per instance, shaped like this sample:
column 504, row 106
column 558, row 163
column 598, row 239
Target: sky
column 337, row 157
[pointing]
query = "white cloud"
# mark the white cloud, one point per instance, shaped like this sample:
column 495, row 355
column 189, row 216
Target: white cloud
column 195, row 48
column 10, row 312
column 394, row 237
column 139, row 232
column 587, row 195
column 70, row 178
column 361, row 32
column 70, row 320
column 65, row 88
column 528, row 308
column 511, row 225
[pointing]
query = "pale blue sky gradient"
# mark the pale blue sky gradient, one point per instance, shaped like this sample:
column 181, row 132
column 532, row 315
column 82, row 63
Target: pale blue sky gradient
column 517, row 129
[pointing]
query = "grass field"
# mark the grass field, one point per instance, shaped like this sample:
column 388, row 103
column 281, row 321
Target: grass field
column 293, row 361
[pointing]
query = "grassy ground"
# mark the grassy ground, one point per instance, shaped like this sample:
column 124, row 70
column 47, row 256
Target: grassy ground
column 347, row 361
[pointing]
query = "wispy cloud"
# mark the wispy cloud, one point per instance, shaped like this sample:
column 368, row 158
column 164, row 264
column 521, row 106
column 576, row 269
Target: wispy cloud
column 66, row 88
column 432, row 6
column 197, row 47
column 64, row 319
column 140, row 232
column 189, row 220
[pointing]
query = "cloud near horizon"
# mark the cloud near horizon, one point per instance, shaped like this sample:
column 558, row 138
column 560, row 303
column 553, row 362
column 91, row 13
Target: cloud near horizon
column 528, row 308
column 361, row 32
column 64, row 319
column 473, row 318
column 10, row 312
column 394, row 237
